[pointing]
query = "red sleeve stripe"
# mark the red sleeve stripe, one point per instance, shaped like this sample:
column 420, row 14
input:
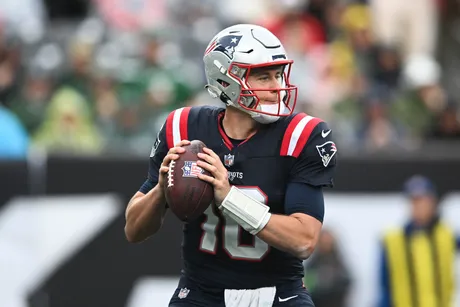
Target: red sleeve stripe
column 176, row 126
column 169, row 130
column 305, row 133
column 289, row 131
column 297, row 134
column 183, row 124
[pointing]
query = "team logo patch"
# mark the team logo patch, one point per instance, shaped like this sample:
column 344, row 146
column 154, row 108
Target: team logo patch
column 183, row 293
column 190, row 169
column 155, row 147
column 326, row 152
column 225, row 44
column 229, row 160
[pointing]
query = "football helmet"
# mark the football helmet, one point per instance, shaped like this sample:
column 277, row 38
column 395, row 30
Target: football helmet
column 228, row 61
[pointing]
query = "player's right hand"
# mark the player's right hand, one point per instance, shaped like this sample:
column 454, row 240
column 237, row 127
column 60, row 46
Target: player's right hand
column 173, row 154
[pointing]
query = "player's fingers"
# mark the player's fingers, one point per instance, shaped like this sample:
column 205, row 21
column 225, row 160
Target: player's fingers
column 211, row 153
column 207, row 158
column 168, row 158
column 207, row 178
column 164, row 169
column 210, row 168
column 182, row 143
column 176, row 150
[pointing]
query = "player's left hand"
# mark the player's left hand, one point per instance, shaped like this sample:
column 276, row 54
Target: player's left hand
column 211, row 162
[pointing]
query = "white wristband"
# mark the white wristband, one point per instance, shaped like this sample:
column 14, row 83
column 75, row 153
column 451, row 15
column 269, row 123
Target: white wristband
column 249, row 213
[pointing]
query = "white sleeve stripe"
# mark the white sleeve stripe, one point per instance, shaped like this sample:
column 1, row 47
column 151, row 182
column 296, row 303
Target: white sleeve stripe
column 176, row 126
column 297, row 133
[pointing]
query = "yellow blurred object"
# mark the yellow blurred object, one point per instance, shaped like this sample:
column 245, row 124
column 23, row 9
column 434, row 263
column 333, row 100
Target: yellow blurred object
column 68, row 125
column 356, row 17
column 81, row 50
column 342, row 59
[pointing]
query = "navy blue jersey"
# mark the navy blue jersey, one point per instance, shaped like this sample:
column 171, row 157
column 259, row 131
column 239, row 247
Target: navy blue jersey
column 217, row 252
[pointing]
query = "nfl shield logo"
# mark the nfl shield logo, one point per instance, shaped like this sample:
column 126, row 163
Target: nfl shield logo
column 183, row 293
column 229, row 160
column 190, row 169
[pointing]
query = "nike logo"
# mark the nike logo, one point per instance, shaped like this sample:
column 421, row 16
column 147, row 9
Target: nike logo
column 287, row 298
column 325, row 133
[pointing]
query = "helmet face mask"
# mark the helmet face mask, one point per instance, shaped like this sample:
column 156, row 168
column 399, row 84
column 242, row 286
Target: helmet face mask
column 233, row 56
column 249, row 99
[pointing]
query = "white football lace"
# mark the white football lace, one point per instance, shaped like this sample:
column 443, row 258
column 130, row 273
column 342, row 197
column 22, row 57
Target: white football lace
column 170, row 174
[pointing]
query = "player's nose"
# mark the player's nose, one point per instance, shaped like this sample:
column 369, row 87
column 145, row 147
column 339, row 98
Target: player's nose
column 274, row 85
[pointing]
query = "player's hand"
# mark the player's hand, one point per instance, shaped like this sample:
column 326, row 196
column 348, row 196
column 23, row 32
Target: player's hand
column 173, row 154
column 219, row 179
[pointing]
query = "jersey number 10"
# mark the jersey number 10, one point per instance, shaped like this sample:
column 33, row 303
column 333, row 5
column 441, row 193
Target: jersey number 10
column 231, row 233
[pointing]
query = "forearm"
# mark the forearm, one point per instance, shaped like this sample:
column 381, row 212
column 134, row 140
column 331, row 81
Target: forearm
column 144, row 215
column 289, row 234
column 296, row 233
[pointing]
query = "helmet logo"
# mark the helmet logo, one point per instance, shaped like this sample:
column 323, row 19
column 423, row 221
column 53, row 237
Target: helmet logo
column 225, row 44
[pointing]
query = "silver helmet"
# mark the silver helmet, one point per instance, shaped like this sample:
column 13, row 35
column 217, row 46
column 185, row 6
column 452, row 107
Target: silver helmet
column 229, row 59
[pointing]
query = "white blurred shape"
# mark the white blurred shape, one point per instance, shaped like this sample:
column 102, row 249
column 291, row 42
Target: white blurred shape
column 151, row 291
column 38, row 234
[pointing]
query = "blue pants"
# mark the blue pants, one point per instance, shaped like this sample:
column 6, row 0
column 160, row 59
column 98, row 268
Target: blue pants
column 291, row 295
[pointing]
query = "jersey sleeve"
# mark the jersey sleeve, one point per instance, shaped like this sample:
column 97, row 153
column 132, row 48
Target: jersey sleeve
column 310, row 141
column 172, row 132
column 159, row 150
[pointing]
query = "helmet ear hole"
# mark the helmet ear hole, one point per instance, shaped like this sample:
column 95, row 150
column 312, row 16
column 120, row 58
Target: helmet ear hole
column 223, row 83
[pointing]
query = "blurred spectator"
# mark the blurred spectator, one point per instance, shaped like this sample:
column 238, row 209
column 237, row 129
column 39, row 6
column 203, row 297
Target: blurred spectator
column 106, row 101
column 293, row 27
column 131, row 135
column 423, row 98
column 410, row 25
column 25, row 17
column 379, row 130
column 79, row 75
column 32, row 100
column 386, row 68
column 14, row 141
column 142, row 59
column 356, row 23
column 68, row 126
column 327, row 277
column 417, row 260
column 132, row 15
column 10, row 64
column 447, row 126
column 328, row 13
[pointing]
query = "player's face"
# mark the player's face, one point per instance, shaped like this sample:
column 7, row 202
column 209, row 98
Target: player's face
column 423, row 209
column 266, row 78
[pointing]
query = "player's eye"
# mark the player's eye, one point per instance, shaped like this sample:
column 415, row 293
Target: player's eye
column 263, row 78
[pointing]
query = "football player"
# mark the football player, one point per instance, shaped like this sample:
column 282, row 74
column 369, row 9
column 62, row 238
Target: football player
column 269, row 166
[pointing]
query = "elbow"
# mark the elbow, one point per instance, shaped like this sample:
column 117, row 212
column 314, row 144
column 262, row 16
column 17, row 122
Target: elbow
column 136, row 234
column 304, row 250
column 132, row 236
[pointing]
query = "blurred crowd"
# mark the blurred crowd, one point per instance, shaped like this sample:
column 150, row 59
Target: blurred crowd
column 381, row 72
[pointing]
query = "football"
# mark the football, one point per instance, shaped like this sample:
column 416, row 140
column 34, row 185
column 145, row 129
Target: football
column 187, row 195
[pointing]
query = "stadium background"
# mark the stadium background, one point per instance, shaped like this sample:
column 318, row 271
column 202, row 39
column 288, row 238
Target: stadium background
column 85, row 86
